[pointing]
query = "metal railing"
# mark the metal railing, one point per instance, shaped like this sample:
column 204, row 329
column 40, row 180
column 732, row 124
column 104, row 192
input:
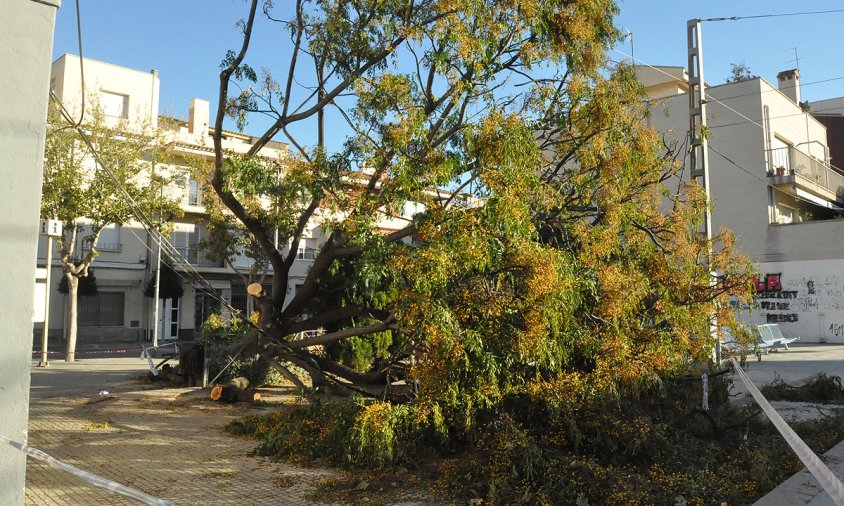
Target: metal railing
column 105, row 247
column 185, row 196
column 789, row 161
column 199, row 258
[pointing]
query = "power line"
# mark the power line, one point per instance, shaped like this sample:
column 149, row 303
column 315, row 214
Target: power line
column 740, row 167
column 720, row 100
column 733, row 110
column 781, row 15
column 777, row 89
column 173, row 254
column 677, row 79
column 772, row 117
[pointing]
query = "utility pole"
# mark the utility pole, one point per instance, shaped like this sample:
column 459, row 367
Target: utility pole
column 156, row 292
column 155, row 314
column 699, row 150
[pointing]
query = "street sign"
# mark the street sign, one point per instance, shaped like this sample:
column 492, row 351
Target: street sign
column 52, row 228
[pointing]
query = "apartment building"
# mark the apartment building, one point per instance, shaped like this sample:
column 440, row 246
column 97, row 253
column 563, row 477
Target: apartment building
column 772, row 183
column 128, row 255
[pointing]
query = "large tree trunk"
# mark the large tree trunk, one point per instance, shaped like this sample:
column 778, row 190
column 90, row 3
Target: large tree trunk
column 73, row 296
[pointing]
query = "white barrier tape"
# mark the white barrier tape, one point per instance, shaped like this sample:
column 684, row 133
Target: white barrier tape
column 145, row 355
column 88, row 352
column 830, row 483
column 91, row 478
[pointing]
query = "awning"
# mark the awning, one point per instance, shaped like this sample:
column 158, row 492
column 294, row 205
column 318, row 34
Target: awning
column 814, row 199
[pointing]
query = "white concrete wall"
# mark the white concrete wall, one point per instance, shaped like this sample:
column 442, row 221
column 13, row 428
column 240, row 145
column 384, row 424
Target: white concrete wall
column 740, row 186
column 806, row 299
column 123, row 271
column 26, row 40
column 141, row 87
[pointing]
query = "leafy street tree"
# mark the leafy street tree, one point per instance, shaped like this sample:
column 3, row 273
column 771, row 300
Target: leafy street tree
column 739, row 72
column 82, row 194
column 227, row 239
column 556, row 252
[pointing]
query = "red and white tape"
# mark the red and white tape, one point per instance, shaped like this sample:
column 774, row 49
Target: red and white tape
column 91, row 352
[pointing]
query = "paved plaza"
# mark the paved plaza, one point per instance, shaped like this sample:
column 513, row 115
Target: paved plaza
column 168, row 442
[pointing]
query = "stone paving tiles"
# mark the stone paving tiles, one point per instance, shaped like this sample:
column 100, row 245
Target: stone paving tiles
column 170, row 449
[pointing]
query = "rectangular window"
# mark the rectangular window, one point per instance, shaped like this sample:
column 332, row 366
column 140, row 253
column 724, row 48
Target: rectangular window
column 110, row 238
column 194, row 193
column 102, row 310
column 114, row 104
column 785, row 214
column 239, row 297
column 307, row 249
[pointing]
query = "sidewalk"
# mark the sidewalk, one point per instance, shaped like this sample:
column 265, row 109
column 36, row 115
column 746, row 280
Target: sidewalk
column 167, row 443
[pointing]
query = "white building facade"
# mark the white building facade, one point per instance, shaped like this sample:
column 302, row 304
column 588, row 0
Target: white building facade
column 121, row 312
column 771, row 184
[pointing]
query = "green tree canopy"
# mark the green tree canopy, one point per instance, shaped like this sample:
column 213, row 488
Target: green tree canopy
column 554, row 251
column 88, row 193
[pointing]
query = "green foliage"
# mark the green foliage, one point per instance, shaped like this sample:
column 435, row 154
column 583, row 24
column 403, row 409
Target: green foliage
column 87, row 285
column 353, row 433
column 88, row 193
column 645, row 449
column 632, row 452
column 821, row 388
column 219, row 335
column 740, row 72
column 171, row 284
column 549, row 263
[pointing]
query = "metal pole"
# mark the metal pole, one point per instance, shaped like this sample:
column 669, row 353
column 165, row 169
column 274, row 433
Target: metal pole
column 155, row 315
column 699, row 153
column 45, row 332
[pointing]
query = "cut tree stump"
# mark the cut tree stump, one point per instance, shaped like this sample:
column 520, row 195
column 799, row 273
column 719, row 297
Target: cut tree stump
column 236, row 391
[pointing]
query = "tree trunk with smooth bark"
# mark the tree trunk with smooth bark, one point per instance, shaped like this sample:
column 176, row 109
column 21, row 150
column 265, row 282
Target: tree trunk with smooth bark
column 73, row 296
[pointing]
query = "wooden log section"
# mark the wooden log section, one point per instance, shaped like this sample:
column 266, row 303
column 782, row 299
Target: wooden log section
column 236, row 391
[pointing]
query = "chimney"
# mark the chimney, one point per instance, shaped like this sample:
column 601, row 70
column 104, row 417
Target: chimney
column 788, row 82
column 198, row 117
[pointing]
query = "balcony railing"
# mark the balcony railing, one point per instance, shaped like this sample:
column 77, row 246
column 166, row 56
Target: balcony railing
column 185, row 196
column 790, row 161
column 199, row 258
column 104, row 247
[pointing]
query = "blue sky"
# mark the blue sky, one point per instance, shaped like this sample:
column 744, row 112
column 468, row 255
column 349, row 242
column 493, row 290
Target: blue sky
column 186, row 39
column 659, row 38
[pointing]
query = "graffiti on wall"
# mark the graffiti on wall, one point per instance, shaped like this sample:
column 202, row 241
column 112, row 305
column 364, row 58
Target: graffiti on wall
column 806, row 298
column 773, row 301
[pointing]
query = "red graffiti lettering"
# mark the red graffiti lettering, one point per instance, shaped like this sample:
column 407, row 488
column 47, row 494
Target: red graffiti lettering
column 773, row 282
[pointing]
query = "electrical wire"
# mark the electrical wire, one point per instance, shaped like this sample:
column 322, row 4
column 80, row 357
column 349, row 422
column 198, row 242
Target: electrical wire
column 170, row 251
column 748, row 172
column 802, row 85
column 712, row 98
column 81, row 65
column 77, row 124
column 709, row 144
column 781, row 15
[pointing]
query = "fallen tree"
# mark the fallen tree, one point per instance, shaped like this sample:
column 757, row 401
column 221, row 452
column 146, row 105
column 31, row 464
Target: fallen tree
column 554, row 249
